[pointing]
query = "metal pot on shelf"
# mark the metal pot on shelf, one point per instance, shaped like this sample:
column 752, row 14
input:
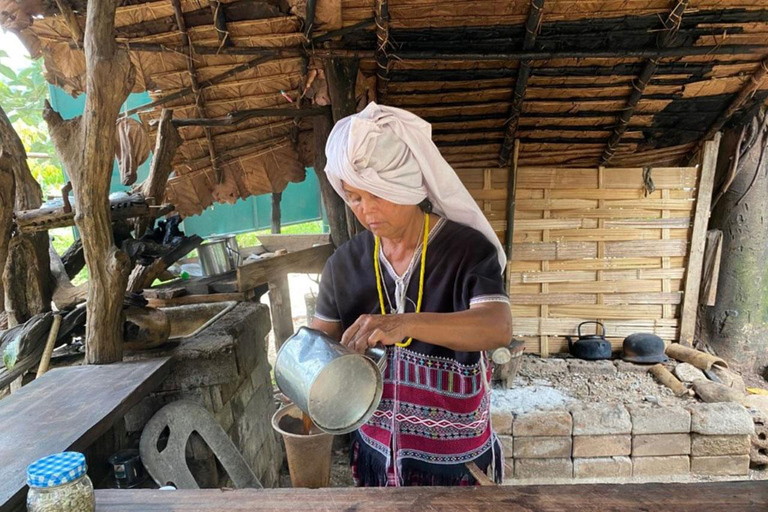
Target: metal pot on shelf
column 219, row 255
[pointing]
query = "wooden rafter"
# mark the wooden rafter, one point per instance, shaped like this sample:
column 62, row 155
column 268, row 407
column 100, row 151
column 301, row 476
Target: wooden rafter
column 239, row 116
column 746, row 92
column 189, row 51
column 381, row 51
column 521, row 84
column 671, row 25
column 220, row 23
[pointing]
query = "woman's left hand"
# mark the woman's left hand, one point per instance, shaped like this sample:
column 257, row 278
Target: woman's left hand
column 369, row 330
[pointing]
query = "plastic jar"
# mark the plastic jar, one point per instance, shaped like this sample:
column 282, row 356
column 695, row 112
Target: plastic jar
column 59, row 483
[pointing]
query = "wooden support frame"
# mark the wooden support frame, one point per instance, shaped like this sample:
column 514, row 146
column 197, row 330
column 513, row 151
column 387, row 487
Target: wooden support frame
column 511, row 189
column 671, row 24
column 521, row 83
column 306, row 261
column 276, row 218
column 189, row 51
column 749, row 89
column 698, row 241
column 238, row 116
column 220, row 23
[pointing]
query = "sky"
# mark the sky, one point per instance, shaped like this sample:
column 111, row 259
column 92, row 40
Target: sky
column 18, row 56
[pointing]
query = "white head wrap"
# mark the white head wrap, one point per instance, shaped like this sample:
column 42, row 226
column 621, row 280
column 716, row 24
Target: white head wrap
column 389, row 153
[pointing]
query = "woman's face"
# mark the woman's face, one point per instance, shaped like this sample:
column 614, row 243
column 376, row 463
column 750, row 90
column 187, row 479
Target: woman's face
column 381, row 217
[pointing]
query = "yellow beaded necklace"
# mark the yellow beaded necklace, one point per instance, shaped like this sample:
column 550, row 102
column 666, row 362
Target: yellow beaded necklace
column 380, row 278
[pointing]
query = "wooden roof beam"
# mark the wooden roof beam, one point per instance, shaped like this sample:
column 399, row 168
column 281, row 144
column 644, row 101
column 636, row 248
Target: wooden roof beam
column 220, row 23
column 189, row 50
column 382, row 43
column 523, row 73
column 744, row 95
column 239, row 116
column 671, row 24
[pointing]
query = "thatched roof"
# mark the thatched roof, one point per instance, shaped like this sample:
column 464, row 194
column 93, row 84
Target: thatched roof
column 559, row 75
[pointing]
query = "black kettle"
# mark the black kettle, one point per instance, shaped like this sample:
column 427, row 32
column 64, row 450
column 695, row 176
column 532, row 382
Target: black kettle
column 592, row 346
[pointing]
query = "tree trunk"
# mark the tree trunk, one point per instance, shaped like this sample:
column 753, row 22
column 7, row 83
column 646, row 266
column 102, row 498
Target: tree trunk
column 736, row 327
column 24, row 258
column 80, row 144
column 335, row 209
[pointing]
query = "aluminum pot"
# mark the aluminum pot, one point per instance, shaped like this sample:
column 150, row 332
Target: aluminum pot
column 339, row 389
column 233, row 250
column 214, row 257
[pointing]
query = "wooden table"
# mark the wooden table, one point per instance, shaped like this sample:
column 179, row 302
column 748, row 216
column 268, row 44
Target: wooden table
column 66, row 409
column 713, row 497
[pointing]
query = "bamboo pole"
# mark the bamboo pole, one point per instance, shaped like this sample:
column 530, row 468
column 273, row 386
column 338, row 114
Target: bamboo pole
column 671, row 25
column 45, row 361
column 381, row 8
column 521, row 83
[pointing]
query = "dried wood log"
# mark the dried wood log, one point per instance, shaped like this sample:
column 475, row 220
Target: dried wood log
column 334, row 204
column 65, row 294
column 73, row 258
column 43, row 219
column 665, row 377
column 45, row 361
column 697, row 358
column 168, row 141
column 80, row 144
column 27, row 289
column 143, row 276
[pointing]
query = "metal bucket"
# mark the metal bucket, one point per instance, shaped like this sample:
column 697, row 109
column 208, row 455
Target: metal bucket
column 337, row 388
column 214, row 257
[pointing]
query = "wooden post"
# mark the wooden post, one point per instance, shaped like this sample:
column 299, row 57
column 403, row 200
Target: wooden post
column 80, row 144
column 335, row 209
column 280, row 306
column 168, row 141
column 342, row 76
column 698, row 240
column 381, row 9
column 511, row 189
column 7, row 194
column 25, row 272
column 276, row 214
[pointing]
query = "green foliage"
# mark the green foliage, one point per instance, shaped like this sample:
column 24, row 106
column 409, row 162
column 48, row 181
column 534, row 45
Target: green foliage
column 22, row 95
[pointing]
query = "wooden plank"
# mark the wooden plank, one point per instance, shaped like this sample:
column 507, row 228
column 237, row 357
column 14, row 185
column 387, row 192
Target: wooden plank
column 311, row 260
column 551, row 276
column 698, row 239
column 646, row 248
column 745, row 496
column 280, row 306
column 292, row 243
column 200, row 299
column 555, row 251
column 711, row 274
column 606, row 312
column 67, row 409
column 643, row 298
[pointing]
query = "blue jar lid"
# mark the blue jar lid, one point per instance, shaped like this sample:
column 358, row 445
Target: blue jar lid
column 56, row 469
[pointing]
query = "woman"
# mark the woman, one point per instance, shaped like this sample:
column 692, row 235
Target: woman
column 425, row 280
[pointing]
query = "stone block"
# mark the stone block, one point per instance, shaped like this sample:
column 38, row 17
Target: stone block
column 657, row 445
column 543, row 423
column 581, row 366
column 507, row 446
column 652, row 419
column 542, row 447
column 724, row 418
column 712, row 446
column 543, row 468
column 602, row 446
column 501, row 421
column 758, row 453
column 242, row 397
column 686, row 372
column 661, row 466
column 602, row 467
column 600, row 419
column 731, row 465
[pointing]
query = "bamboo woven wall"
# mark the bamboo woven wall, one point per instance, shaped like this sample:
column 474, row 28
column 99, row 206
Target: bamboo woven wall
column 589, row 244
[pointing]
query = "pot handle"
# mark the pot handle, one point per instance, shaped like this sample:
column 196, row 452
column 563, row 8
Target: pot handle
column 591, row 322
